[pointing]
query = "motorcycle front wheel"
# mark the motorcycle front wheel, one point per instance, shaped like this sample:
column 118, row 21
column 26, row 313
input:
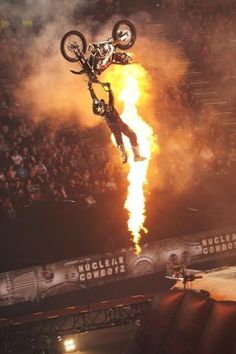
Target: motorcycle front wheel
column 124, row 25
column 71, row 43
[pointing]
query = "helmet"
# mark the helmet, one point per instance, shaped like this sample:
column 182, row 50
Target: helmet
column 99, row 107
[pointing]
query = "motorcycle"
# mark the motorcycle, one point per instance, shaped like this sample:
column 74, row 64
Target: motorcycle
column 102, row 54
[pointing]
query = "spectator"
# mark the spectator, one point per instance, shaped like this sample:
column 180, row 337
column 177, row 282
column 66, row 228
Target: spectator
column 11, row 173
column 2, row 176
column 16, row 158
column 40, row 168
column 72, row 190
column 40, row 163
column 111, row 185
column 21, row 171
column 8, row 208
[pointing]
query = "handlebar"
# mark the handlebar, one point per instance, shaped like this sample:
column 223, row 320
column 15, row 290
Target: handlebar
column 106, row 87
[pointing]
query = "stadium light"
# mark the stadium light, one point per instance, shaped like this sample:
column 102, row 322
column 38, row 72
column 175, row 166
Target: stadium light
column 69, row 345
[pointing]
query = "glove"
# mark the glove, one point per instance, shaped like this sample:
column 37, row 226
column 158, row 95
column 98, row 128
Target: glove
column 107, row 84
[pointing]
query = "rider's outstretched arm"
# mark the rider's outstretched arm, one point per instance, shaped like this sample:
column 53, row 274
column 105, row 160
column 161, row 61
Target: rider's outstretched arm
column 91, row 90
column 111, row 97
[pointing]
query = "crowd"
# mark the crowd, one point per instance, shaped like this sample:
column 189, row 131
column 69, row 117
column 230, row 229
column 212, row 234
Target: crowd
column 18, row 31
column 207, row 31
column 193, row 145
column 206, row 28
column 38, row 163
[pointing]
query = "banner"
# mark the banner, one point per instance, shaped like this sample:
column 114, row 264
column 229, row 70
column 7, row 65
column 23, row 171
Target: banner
column 38, row 282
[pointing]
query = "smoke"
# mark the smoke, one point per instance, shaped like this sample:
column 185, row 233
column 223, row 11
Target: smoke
column 47, row 11
column 47, row 86
column 222, row 48
column 50, row 88
column 53, row 92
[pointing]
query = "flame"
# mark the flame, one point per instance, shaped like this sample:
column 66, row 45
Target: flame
column 131, row 86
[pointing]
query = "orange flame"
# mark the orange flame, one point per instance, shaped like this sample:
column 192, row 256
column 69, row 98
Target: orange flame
column 130, row 83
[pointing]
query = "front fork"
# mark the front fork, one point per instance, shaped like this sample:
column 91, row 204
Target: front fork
column 85, row 65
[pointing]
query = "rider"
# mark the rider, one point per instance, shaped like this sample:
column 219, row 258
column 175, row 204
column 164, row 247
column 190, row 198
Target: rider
column 102, row 54
column 100, row 57
column 114, row 122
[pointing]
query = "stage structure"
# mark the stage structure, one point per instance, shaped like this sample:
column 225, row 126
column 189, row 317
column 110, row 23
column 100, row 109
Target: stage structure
column 40, row 282
column 47, row 332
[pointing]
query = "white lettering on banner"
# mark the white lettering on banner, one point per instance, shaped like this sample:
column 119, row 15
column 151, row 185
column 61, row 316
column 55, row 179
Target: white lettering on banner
column 121, row 260
column 109, row 271
column 81, row 268
column 101, row 264
column 102, row 273
column 82, row 277
column 96, row 274
column 102, row 268
column 87, row 267
column 217, row 240
column 114, row 261
column 211, row 249
column 224, row 247
column 94, row 265
column 218, row 244
column 122, row 269
column 204, row 243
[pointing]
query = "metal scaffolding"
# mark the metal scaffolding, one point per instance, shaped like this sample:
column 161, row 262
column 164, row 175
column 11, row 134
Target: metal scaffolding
column 29, row 337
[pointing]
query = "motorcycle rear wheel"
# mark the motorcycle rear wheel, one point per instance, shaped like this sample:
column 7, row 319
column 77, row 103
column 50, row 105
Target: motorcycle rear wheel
column 132, row 30
column 73, row 38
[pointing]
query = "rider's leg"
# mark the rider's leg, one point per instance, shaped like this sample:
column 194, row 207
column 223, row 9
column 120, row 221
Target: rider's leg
column 91, row 61
column 94, row 62
column 123, row 153
column 137, row 156
column 126, row 130
column 119, row 141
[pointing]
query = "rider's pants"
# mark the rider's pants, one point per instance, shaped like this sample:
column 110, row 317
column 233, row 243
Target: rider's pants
column 118, row 128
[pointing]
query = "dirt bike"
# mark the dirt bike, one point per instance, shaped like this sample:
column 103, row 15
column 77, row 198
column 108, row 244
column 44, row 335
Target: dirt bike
column 102, row 54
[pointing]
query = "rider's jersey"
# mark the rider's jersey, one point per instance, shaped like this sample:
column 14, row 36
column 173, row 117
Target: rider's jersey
column 111, row 115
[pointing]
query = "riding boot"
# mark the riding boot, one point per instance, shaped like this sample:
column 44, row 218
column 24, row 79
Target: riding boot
column 123, row 153
column 137, row 156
